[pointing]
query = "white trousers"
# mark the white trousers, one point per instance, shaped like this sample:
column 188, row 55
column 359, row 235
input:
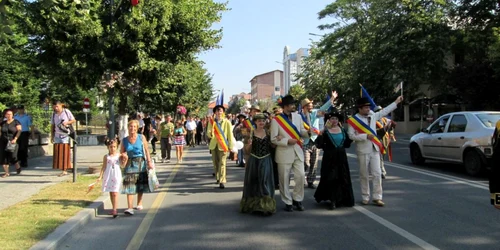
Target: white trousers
column 284, row 170
column 370, row 164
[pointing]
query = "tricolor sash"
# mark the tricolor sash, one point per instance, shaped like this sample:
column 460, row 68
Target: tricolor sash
column 219, row 135
column 362, row 128
column 307, row 127
column 249, row 124
column 289, row 128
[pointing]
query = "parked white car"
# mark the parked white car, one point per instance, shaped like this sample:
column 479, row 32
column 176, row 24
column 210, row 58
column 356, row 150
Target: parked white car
column 461, row 137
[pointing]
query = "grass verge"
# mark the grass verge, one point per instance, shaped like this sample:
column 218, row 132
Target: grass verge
column 30, row 221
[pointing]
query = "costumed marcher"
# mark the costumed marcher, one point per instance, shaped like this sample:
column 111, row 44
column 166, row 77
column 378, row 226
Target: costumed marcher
column 258, row 188
column 335, row 184
column 310, row 118
column 287, row 133
column 368, row 147
column 494, row 176
column 385, row 133
column 276, row 111
column 221, row 141
column 249, row 125
column 238, row 136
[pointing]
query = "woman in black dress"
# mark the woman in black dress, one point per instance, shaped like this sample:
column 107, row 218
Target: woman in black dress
column 335, row 183
column 11, row 130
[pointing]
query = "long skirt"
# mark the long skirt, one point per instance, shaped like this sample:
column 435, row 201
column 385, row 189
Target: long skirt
column 335, row 184
column 258, row 188
column 135, row 177
column 62, row 156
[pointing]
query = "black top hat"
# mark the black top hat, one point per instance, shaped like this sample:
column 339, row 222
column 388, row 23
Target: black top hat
column 333, row 114
column 217, row 107
column 286, row 100
column 241, row 115
column 363, row 101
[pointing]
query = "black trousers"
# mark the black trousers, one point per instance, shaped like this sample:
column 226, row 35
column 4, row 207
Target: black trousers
column 22, row 152
column 198, row 137
column 153, row 143
column 166, row 148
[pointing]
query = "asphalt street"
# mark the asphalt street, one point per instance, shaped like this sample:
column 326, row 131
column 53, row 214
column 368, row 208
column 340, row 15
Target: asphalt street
column 435, row 206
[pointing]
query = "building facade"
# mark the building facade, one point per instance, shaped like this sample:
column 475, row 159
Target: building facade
column 236, row 98
column 292, row 66
column 267, row 86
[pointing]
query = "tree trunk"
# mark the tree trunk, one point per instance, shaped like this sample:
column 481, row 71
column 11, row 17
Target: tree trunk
column 123, row 116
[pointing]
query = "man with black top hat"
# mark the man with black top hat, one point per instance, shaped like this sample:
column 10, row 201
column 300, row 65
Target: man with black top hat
column 362, row 127
column 221, row 142
column 27, row 129
column 287, row 133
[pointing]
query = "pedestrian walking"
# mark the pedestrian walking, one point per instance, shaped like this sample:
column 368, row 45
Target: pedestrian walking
column 111, row 173
column 287, row 132
column 335, row 184
column 135, row 179
column 221, row 141
column 199, row 131
column 166, row 134
column 26, row 133
column 10, row 132
column 179, row 140
column 368, row 147
column 258, row 188
column 191, row 131
column 61, row 119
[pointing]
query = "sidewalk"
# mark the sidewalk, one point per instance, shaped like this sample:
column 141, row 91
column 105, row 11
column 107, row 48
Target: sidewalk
column 39, row 174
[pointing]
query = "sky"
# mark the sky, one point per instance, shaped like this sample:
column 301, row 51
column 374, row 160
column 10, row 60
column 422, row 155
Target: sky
column 255, row 33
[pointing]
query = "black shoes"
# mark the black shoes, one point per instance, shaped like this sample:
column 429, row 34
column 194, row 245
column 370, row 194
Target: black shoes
column 331, row 206
column 289, row 208
column 383, row 176
column 221, row 186
column 298, row 205
column 311, row 185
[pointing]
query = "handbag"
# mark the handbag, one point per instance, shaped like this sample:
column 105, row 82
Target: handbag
column 11, row 147
column 153, row 182
column 69, row 129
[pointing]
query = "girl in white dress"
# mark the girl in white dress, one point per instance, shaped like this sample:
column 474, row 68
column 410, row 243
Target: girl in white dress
column 111, row 174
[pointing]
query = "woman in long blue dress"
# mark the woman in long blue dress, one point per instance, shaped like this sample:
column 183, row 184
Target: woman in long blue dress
column 335, row 184
column 258, row 189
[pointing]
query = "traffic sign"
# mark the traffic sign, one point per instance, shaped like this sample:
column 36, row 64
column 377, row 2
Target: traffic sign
column 86, row 105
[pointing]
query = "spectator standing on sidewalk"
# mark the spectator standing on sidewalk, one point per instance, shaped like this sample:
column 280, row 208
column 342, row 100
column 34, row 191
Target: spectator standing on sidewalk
column 27, row 130
column 191, row 131
column 61, row 118
column 11, row 130
column 166, row 134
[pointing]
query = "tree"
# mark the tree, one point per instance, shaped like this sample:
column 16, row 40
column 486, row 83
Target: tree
column 297, row 92
column 141, row 51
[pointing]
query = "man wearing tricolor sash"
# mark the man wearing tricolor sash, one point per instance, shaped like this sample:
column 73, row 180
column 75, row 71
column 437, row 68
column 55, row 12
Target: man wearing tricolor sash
column 362, row 127
column 287, row 133
column 310, row 118
column 221, row 139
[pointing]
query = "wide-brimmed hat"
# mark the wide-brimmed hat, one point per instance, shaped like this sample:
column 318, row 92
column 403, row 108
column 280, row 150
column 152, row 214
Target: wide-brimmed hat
column 286, row 100
column 333, row 114
column 259, row 116
column 217, row 107
column 362, row 102
column 255, row 107
column 305, row 102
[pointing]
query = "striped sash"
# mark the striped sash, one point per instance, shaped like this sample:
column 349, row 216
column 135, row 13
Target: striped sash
column 219, row 135
column 289, row 128
column 362, row 128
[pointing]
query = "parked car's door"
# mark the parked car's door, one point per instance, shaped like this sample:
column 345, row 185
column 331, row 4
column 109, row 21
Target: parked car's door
column 454, row 138
column 432, row 143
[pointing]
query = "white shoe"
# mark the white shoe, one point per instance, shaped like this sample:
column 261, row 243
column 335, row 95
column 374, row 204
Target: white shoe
column 162, row 160
column 129, row 211
column 168, row 161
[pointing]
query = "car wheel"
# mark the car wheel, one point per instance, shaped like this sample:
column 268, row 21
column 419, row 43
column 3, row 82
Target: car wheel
column 473, row 163
column 416, row 155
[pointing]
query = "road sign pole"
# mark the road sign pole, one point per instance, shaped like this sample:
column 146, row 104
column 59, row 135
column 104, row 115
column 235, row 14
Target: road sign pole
column 86, row 124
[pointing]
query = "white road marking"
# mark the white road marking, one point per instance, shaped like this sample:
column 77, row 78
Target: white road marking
column 405, row 234
column 436, row 175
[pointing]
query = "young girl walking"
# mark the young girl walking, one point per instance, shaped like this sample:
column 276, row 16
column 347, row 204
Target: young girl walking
column 179, row 140
column 111, row 174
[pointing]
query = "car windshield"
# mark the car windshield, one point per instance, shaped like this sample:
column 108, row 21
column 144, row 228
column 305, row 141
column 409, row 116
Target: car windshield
column 489, row 119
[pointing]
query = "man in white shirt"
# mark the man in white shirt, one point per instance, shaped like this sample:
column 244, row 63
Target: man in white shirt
column 362, row 127
column 191, row 131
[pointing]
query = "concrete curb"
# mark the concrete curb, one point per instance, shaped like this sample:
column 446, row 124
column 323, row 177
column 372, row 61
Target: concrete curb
column 72, row 225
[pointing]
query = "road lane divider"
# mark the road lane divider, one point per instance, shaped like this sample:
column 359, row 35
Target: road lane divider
column 433, row 174
column 136, row 241
column 403, row 233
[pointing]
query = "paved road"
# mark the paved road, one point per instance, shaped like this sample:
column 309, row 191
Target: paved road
column 428, row 207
